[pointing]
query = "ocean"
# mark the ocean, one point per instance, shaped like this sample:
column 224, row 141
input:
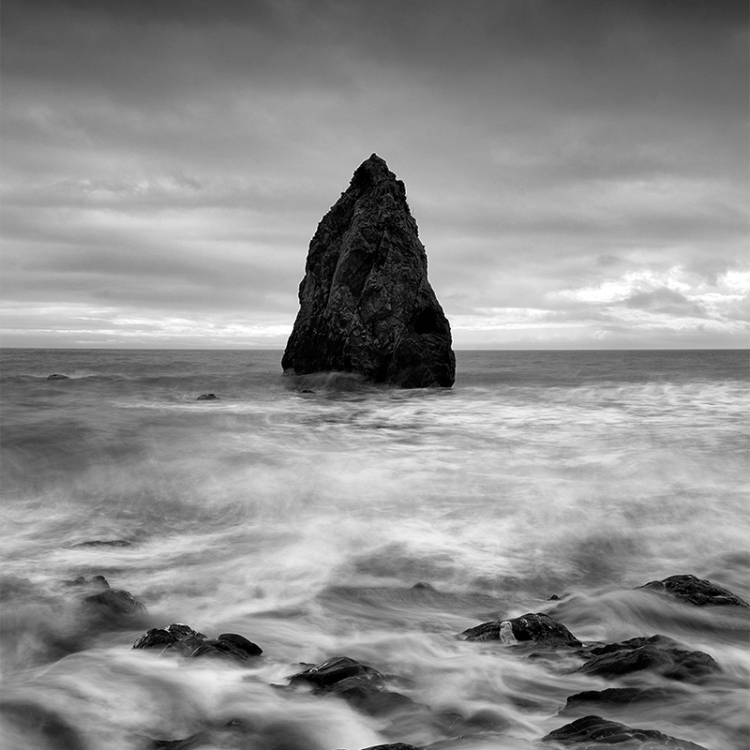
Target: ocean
column 301, row 515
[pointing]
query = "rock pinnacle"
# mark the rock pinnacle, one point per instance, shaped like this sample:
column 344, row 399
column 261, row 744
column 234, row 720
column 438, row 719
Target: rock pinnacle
column 366, row 305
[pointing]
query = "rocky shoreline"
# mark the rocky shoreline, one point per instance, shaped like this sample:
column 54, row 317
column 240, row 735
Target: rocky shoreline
column 641, row 670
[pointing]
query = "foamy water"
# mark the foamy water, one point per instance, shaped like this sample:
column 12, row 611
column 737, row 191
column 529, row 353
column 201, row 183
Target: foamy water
column 303, row 520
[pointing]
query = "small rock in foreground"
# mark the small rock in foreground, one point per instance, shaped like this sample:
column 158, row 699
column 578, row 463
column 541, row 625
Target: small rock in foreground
column 698, row 591
column 605, row 732
column 182, row 639
column 360, row 685
column 539, row 628
column 657, row 654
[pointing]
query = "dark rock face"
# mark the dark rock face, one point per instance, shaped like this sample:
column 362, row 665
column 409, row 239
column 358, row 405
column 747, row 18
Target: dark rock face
column 182, row 639
column 359, row 685
column 698, row 591
column 539, row 628
column 366, row 306
column 604, row 732
column 657, row 654
column 614, row 697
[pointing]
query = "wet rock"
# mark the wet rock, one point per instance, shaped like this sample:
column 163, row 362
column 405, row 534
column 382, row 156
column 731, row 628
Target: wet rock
column 207, row 397
column 604, row 732
column 239, row 642
column 335, row 670
column 424, row 586
column 538, row 628
column 657, row 654
column 182, row 639
column 392, row 746
column 104, row 543
column 57, row 376
column 618, row 697
column 698, row 591
column 359, row 685
column 109, row 602
column 117, row 601
column 366, row 306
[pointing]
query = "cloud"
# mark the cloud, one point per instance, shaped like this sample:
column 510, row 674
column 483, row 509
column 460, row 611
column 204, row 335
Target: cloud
column 666, row 301
column 173, row 159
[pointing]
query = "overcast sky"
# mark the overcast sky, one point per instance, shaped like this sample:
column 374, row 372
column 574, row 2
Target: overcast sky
column 578, row 169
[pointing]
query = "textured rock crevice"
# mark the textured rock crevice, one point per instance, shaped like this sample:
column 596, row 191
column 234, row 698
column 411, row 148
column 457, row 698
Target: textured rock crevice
column 366, row 306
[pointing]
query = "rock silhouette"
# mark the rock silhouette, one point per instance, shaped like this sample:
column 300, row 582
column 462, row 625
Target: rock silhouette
column 366, row 306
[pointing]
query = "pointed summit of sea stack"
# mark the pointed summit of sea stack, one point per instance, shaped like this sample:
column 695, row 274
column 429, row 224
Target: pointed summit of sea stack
column 366, row 305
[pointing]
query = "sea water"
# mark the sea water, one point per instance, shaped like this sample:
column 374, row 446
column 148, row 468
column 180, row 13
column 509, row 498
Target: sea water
column 301, row 514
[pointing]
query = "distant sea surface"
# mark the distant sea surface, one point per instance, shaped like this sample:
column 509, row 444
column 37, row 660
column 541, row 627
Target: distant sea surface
column 300, row 514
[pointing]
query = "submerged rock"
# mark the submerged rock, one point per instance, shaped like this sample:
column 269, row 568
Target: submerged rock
column 207, row 397
column 57, row 376
column 107, row 600
column 119, row 602
column 604, row 732
column 182, row 639
column 539, row 628
column 366, row 306
column 359, row 685
column 657, row 654
column 104, row 543
column 698, row 591
column 618, row 697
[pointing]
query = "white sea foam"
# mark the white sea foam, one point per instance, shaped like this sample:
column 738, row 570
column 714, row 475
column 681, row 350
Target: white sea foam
column 304, row 520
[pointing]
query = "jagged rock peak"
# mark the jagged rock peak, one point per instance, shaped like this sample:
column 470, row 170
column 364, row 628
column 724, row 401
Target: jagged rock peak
column 366, row 306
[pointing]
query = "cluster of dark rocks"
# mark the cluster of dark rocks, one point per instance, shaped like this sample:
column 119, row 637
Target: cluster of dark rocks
column 667, row 667
column 182, row 639
column 377, row 694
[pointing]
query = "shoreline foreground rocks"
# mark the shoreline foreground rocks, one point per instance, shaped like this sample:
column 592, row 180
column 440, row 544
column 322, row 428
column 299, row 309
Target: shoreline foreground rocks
column 366, row 306
column 642, row 671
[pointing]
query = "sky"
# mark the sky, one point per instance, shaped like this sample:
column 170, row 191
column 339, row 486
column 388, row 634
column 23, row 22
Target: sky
column 579, row 169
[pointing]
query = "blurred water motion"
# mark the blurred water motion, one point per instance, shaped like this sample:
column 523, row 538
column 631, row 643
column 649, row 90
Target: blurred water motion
column 303, row 520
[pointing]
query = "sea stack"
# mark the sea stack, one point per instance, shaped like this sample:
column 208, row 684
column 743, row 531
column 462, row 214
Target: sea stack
column 366, row 306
